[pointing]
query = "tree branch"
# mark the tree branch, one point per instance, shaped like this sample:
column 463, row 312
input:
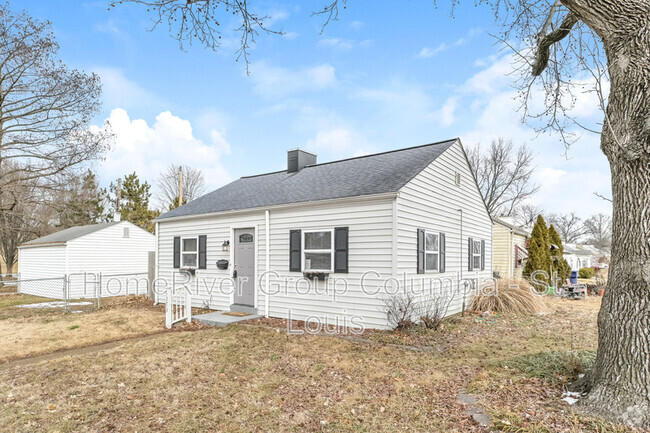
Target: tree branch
column 544, row 42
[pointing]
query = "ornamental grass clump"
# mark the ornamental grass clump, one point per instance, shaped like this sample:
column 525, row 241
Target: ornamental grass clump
column 510, row 296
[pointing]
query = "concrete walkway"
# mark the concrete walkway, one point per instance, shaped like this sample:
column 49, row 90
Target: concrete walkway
column 222, row 318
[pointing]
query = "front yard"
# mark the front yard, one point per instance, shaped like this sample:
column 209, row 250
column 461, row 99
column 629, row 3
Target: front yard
column 256, row 378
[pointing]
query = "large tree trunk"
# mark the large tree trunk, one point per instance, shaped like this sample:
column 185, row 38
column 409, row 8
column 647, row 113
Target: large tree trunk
column 619, row 383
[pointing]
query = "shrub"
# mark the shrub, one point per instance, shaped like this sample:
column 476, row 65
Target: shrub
column 586, row 273
column 400, row 311
column 510, row 296
column 404, row 311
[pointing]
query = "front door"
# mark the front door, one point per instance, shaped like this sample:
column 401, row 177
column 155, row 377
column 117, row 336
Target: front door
column 244, row 267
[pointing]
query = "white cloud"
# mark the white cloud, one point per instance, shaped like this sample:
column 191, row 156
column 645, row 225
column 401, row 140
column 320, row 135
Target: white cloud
column 119, row 91
column 290, row 35
column 344, row 44
column 427, row 53
column 148, row 150
column 357, row 25
column 273, row 81
column 551, row 176
column 447, row 113
column 338, row 143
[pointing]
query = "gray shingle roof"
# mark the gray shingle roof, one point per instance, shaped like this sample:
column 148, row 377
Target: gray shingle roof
column 366, row 175
column 68, row 234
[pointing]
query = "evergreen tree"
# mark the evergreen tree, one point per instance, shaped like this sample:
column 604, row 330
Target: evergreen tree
column 134, row 204
column 175, row 204
column 561, row 267
column 82, row 203
column 539, row 254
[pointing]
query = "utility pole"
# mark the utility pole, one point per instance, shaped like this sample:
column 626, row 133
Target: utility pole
column 119, row 194
column 180, row 186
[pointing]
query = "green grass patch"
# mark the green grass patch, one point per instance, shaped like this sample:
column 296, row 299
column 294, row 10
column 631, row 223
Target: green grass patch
column 555, row 367
column 7, row 301
column 73, row 327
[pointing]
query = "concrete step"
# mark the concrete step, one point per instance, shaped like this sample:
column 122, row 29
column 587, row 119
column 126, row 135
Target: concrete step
column 219, row 318
column 243, row 309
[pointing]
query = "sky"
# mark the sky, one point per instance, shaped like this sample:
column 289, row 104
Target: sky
column 380, row 78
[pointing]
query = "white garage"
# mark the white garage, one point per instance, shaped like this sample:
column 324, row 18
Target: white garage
column 109, row 259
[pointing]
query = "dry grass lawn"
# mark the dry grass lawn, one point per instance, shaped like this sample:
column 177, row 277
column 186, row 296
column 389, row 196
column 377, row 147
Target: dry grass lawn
column 28, row 332
column 259, row 379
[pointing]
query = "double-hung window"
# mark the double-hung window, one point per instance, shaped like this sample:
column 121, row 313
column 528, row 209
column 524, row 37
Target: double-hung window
column 318, row 251
column 476, row 254
column 189, row 252
column 432, row 251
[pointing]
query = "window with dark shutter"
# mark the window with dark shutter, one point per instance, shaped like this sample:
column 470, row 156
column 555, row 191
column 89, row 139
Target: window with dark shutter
column 177, row 252
column 203, row 251
column 341, row 250
column 295, row 264
column 470, row 254
column 443, row 252
column 482, row 255
column 421, row 251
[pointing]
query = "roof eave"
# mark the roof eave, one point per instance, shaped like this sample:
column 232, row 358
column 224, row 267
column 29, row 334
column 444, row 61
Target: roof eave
column 385, row 195
column 43, row 244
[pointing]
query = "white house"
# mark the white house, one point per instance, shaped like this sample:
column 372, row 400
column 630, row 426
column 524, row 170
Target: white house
column 583, row 256
column 360, row 229
column 117, row 250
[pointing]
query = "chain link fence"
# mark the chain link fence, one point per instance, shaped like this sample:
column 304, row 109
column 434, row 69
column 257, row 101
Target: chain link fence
column 84, row 288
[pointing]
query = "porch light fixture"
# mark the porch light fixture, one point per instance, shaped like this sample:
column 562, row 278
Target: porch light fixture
column 225, row 246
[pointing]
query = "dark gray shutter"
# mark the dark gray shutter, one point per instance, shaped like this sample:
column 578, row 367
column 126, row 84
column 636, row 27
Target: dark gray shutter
column 341, row 250
column 295, row 253
column 470, row 253
column 482, row 255
column 177, row 252
column 443, row 252
column 203, row 252
column 421, row 255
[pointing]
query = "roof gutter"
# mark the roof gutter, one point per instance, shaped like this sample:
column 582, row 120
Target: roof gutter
column 43, row 244
column 371, row 197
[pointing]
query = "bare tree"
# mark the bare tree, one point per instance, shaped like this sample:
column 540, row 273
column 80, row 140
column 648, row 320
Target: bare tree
column 527, row 213
column 569, row 226
column 27, row 219
column 45, row 108
column 169, row 185
column 564, row 48
column 201, row 20
column 504, row 175
column 598, row 229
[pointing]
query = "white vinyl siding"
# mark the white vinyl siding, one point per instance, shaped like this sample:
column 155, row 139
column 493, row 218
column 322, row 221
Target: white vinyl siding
column 104, row 251
column 369, row 247
column 39, row 266
column 433, row 201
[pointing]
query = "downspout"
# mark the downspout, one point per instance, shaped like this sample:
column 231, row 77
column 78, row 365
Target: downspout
column 155, row 292
column 268, row 262
column 461, row 262
column 511, row 256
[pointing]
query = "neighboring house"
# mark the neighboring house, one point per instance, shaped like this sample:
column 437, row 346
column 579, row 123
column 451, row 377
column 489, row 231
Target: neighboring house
column 583, row 256
column 360, row 225
column 117, row 250
column 509, row 251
